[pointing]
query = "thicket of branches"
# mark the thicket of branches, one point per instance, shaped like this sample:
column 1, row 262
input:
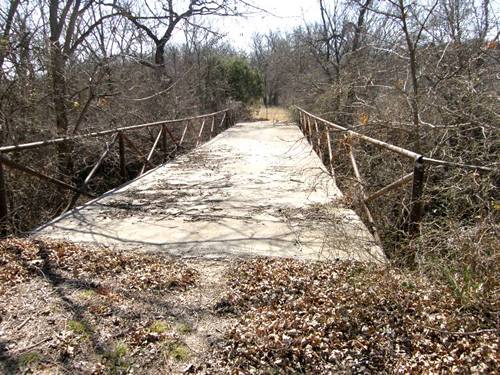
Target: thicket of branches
column 424, row 75
column 70, row 67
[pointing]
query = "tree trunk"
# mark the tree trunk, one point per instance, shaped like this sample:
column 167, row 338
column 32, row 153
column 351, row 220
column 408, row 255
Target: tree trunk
column 160, row 59
column 4, row 48
column 4, row 42
column 64, row 162
column 352, row 60
column 413, row 96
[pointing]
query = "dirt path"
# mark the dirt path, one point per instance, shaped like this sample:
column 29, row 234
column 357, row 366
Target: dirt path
column 256, row 189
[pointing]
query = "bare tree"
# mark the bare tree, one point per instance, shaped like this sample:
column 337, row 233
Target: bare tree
column 159, row 21
column 6, row 30
column 69, row 27
column 412, row 37
column 335, row 43
column 272, row 56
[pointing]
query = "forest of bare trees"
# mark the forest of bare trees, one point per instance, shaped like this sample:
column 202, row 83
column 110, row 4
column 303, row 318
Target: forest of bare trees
column 94, row 93
column 423, row 75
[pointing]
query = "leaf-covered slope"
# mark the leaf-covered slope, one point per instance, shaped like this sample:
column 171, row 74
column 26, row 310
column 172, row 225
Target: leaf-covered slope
column 345, row 317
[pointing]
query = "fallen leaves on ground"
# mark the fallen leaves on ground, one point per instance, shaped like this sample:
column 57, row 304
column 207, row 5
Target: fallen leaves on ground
column 21, row 259
column 90, row 310
column 348, row 317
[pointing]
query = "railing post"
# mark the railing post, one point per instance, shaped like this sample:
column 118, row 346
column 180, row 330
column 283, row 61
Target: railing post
column 3, row 202
column 198, row 140
column 230, row 118
column 221, row 125
column 212, row 127
column 164, row 143
column 307, row 129
column 151, row 152
column 123, row 170
column 416, row 204
column 368, row 213
column 318, row 141
column 311, row 134
column 184, row 132
column 330, row 151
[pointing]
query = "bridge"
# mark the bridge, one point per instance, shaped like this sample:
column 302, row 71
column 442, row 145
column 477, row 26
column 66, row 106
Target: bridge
column 247, row 189
column 255, row 189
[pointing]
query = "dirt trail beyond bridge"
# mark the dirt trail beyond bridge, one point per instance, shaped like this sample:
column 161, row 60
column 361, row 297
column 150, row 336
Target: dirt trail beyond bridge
column 256, row 189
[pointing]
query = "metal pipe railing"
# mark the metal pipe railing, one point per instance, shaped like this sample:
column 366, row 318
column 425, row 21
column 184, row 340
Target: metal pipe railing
column 393, row 148
column 227, row 119
column 26, row 146
column 309, row 124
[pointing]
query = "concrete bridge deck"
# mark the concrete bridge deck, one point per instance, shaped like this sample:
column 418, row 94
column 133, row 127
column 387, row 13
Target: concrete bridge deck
column 256, row 189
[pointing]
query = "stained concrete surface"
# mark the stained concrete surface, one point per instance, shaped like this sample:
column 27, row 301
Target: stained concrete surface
column 256, row 189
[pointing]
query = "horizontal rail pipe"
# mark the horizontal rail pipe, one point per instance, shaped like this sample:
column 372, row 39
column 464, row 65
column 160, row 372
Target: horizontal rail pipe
column 455, row 164
column 31, row 145
column 396, row 149
column 400, row 150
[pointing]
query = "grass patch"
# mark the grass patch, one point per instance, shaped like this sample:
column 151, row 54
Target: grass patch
column 275, row 114
column 115, row 359
column 78, row 327
column 184, row 328
column 27, row 359
column 159, row 327
column 178, row 351
column 120, row 350
column 87, row 294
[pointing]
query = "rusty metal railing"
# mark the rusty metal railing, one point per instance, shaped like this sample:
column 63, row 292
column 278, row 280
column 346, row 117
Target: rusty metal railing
column 319, row 132
column 218, row 121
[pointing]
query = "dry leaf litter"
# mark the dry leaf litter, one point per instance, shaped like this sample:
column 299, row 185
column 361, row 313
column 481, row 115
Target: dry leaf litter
column 348, row 317
column 67, row 308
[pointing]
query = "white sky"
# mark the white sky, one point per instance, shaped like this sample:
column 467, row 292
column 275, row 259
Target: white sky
column 287, row 14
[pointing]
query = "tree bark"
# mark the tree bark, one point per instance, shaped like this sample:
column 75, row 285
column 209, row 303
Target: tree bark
column 413, row 99
column 6, row 32
column 356, row 45
column 4, row 47
column 58, row 78
column 60, row 109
